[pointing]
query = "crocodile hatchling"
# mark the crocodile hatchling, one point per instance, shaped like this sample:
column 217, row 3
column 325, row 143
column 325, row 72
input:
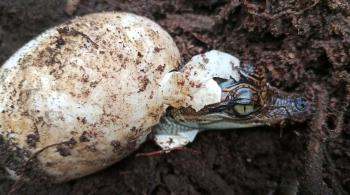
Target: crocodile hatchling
column 105, row 80
column 245, row 101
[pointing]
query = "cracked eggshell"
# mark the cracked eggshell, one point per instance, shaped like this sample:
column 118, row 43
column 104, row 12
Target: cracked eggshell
column 194, row 85
column 95, row 79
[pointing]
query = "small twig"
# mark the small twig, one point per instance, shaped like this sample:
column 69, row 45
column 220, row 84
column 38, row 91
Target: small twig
column 69, row 143
column 167, row 150
column 199, row 38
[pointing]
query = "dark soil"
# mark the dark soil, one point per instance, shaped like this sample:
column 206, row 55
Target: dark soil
column 305, row 47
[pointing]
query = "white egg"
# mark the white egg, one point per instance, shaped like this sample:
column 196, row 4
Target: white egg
column 95, row 79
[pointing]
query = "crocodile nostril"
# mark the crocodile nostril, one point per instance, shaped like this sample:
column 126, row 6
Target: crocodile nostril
column 300, row 103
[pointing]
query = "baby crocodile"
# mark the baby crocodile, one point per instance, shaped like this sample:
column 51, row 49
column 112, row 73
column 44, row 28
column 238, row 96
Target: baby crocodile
column 249, row 102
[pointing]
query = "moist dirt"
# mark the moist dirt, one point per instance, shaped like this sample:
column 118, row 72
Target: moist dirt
column 304, row 46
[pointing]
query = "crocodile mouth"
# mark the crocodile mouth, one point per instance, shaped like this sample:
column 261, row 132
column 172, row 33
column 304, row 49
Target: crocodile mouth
column 213, row 121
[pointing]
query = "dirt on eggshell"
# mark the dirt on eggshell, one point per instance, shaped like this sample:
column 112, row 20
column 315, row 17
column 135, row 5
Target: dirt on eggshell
column 304, row 46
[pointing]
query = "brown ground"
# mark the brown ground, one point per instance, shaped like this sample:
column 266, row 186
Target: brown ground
column 304, row 44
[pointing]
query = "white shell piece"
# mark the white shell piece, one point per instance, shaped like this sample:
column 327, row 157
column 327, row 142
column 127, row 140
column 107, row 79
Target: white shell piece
column 194, row 85
column 209, row 94
column 59, row 91
column 190, row 135
column 170, row 141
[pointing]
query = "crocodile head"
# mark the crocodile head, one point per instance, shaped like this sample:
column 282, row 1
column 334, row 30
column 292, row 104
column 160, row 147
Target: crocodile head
column 249, row 102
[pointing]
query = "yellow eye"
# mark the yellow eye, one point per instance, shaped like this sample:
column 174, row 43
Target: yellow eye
column 244, row 108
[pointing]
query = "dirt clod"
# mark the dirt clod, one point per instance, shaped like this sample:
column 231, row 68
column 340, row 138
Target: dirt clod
column 83, row 138
column 63, row 151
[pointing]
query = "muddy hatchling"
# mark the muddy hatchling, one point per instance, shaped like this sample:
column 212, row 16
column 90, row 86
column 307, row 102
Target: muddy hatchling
column 106, row 80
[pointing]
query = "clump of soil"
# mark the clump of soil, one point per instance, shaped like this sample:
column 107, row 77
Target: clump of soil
column 304, row 45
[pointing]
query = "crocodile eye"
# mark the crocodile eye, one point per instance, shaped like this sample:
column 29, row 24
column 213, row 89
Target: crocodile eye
column 244, row 109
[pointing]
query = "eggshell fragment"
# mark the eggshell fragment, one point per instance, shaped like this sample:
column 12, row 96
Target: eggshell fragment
column 95, row 79
column 194, row 85
column 170, row 141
